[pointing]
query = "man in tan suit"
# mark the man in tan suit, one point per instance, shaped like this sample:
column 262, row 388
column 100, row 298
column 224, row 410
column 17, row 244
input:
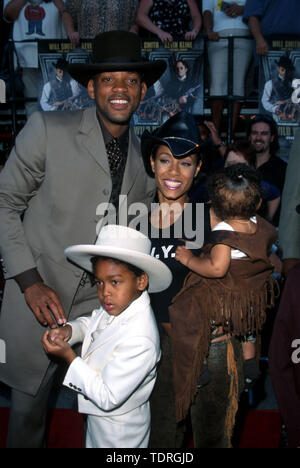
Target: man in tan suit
column 62, row 167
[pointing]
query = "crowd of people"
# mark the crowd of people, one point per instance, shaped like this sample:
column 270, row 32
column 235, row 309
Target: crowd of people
column 170, row 326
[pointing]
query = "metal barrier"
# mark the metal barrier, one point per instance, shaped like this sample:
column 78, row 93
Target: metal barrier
column 231, row 98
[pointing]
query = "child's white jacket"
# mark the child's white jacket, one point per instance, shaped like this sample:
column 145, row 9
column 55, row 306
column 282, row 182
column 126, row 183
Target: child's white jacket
column 117, row 370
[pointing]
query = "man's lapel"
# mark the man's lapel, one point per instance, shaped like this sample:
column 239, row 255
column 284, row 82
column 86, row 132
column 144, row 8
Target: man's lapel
column 132, row 164
column 90, row 137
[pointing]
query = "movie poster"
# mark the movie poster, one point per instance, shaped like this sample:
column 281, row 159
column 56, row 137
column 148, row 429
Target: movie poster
column 57, row 89
column 180, row 87
column 280, row 89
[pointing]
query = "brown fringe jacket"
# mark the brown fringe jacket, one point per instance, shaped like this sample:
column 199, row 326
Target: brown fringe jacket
column 238, row 302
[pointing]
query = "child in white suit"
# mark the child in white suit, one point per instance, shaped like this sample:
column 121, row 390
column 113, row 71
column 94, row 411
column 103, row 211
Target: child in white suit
column 116, row 372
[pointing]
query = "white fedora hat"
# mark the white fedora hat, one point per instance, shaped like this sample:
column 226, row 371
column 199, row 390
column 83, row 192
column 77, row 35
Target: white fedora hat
column 127, row 245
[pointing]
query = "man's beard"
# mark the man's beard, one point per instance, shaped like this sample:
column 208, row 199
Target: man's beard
column 261, row 149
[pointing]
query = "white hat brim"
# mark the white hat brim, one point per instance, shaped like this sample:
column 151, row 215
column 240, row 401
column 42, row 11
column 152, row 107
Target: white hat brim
column 160, row 276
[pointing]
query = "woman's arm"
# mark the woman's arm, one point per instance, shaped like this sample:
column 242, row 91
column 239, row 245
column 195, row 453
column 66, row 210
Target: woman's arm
column 214, row 266
column 13, row 9
column 67, row 22
column 215, row 137
column 59, row 5
column 208, row 24
column 272, row 207
column 143, row 20
column 196, row 19
column 262, row 47
column 69, row 27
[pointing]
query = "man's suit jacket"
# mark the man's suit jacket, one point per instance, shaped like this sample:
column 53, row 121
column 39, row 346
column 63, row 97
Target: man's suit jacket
column 117, row 371
column 284, row 355
column 56, row 175
column 289, row 225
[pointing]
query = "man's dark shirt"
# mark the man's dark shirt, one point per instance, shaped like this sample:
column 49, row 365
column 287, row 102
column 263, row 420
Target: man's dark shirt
column 273, row 171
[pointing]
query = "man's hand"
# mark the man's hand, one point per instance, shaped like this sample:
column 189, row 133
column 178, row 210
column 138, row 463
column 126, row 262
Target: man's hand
column 262, row 47
column 44, row 303
column 58, row 347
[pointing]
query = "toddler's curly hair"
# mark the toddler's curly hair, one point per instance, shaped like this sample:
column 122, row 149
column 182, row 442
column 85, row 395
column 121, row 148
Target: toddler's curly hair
column 235, row 192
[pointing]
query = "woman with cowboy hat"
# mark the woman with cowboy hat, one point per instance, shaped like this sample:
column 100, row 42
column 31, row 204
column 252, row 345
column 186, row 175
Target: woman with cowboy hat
column 173, row 154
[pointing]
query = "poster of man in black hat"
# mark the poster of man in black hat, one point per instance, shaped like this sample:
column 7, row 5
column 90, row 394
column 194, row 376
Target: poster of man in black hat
column 279, row 88
column 277, row 95
column 57, row 90
column 60, row 89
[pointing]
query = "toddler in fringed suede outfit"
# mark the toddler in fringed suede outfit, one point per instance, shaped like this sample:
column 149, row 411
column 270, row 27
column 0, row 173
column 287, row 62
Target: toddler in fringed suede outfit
column 228, row 290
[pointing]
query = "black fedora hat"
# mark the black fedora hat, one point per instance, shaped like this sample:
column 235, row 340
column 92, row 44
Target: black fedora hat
column 285, row 62
column 117, row 51
column 61, row 63
column 180, row 133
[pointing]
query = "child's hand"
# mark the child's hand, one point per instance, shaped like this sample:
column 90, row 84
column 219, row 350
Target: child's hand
column 55, row 345
column 183, row 255
column 276, row 262
column 64, row 333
